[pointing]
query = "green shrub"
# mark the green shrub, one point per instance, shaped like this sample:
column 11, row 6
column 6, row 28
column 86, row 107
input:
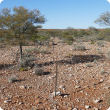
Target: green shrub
column 82, row 32
column 93, row 37
column 92, row 42
column 62, row 41
column 69, row 42
column 70, row 54
column 105, row 34
column 107, row 38
column 22, row 69
column 68, row 37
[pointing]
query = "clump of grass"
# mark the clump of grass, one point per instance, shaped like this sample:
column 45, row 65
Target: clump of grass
column 92, row 42
column 102, row 71
column 27, row 61
column 36, row 65
column 70, row 54
column 32, row 49
column 88, row 65
column 108, row 100
column 100, row 52
column 108, row 53
column 22, row 69
column 61, row 41
column 43, row 51
column 38, row 71
column 95, row 61
column 79, row 47
column 69, row 42
column 26, row 54
column 12, row 79
column 107, row 97
column 100, row 43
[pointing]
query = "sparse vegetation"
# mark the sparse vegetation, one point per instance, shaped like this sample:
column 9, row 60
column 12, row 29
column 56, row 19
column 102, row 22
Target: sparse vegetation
column 100, row 43
column 92, row 42
column 38, row 71
column 79, row 47
column 108, row 55
column 32, row 49
column 88, row 65
column 22, row 69
column 78, row 65
column 70, row 54
column 100, row 52
column 12, row 79
column 102, row 71
column 19, row 26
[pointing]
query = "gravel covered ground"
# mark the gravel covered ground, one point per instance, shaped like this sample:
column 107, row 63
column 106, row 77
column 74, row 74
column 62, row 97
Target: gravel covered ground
column 83, row 79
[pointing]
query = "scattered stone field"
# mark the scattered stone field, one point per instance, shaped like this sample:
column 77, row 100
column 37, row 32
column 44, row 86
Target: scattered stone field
column 83, row 78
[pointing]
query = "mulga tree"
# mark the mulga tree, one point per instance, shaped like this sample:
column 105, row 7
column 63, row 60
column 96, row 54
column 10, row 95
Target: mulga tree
column 20, row 25
column 104, row 19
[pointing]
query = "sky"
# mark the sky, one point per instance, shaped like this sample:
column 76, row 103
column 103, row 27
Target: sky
column 61, row 14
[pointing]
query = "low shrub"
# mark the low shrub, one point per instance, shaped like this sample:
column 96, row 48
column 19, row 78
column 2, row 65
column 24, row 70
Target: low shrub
column 69, row 42
column 100, row 43
column 88, row 65
column 22, row 69
column 70, row 54
column 100, row 52
column 79, row 47
column 38, row 71
column 27, row 62
column 43, row 51
column 61, row 41
column 108, row 55
column 12, row 79
column 90, row 38
column 92, row 42
column 102, row 71
column 32, row 49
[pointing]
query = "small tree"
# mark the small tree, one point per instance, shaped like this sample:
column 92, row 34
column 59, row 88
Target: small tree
column 104, row 19
column 20, row 25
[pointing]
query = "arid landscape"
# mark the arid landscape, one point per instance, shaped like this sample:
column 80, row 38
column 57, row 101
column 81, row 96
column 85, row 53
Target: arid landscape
column 83, row 80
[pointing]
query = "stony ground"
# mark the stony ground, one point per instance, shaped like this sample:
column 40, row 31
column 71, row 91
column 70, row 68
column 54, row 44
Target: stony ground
column 83, row 79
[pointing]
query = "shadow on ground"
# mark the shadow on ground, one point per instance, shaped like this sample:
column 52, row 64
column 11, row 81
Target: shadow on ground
column 75, row 59
column 46, row 73
column 4, row 66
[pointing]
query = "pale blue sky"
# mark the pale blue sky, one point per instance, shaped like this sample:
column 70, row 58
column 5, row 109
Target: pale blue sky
column 61, row 14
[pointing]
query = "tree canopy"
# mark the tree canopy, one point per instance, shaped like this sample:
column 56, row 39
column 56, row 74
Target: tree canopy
column 21, row 24
column 104, row 19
